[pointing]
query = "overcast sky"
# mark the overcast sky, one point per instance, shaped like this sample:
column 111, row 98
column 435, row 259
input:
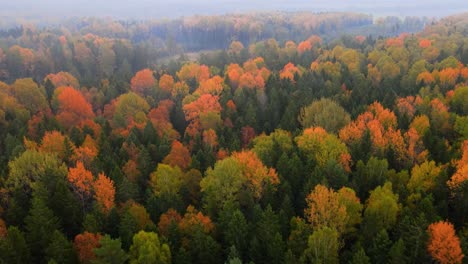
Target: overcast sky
column 176, row 8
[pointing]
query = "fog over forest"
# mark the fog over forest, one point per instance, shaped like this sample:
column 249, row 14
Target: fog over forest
column 143, row 9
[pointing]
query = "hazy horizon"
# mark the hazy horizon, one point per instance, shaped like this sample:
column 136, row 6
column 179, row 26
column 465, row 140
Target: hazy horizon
column 144, row 9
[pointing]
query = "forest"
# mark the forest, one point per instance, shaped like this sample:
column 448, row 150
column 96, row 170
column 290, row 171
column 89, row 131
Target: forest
column 288, row 138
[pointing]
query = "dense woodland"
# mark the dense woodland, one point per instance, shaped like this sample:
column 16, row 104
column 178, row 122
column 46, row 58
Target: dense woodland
column 285, row 146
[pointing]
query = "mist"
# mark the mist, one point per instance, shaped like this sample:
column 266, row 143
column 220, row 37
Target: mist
column 148, row 9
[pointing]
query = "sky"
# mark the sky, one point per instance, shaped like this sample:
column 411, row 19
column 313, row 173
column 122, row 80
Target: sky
column 144, row 9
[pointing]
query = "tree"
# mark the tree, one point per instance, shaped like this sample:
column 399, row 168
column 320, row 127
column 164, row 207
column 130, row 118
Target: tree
column 30, row 167
column 321, row 147
column 444, row 244
column 179, row 156
column 461, row 174
column 30, row 95
column 13, row 248
column 323, row 246
column 459, row 99
column 222, row 183
column 381, row 209
column 62, row 79
column 166, row 83
column 85, row 244
column 81, row 180
column 205, row 106
column 166, row 180
column 147, row 248
column 143, row 82
column 324, row 113
column 60, row 249
column 351, row 202
column 424, row 177
column 109, row 252
column 325, row 210
column 73, row 109
column 127, row 108
column 40, row 224
column 360, row 257
column 104, row 192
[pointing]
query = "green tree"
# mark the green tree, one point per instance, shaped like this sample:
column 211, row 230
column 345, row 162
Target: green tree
column 147, row 249
column 381, row 210
column 324, row 113
column 110, row 252
column 40, row 224
column 322, row 247
column 360, row 257
column 13, row 248
column 60, row 249
column 459, row 99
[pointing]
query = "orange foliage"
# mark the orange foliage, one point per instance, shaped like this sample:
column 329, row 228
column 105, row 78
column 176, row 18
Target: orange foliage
column 193, row 70
column 143, row 81
column 193, row 219
column 247, row 80
column 406, row 106
column 381, row 124
column 73, row 110
column 222, row 154
column 210, row 138
column 461, row 174
column 394, row 42
column 205, row 104
column 160, row 118
column 166, row 220
column 385, row 116
column 87, row 151
column 84, row 245
column 464, row 73
column 231, row 105
column 104, row 192
column 448, row 77
column 234, row 72
column 444, row 244
column 257, row 174
column 289, row 71
column 212, row 86
column 304, row 46
column 81, row 179
column 425, row 77
column 54, row 142
column 424, row 43
column 179, row 156
column 324, row 209
column 63, row 79
column 360, row 39
column 166, row 83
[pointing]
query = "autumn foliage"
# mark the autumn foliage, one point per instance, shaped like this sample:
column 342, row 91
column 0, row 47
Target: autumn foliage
column 444, row 244
column 461, row 174
column 179, row 156
column 104, row 192
column 84, row 244
column 143, row 82
column 81, row 179
column 73, row 108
